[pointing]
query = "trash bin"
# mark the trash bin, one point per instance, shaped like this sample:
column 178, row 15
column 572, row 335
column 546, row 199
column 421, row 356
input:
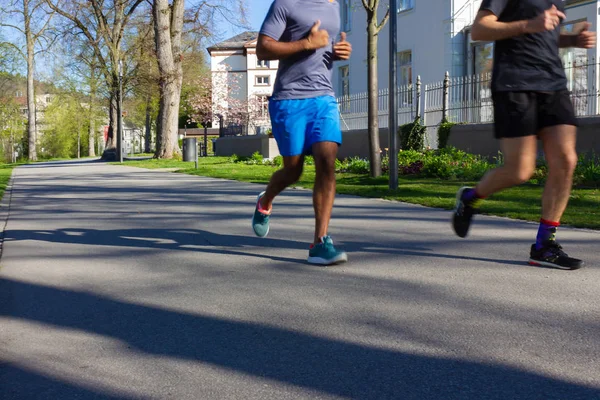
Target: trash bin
column 190, row 149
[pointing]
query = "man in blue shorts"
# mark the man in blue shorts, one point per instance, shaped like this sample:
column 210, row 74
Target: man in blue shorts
column 304, row 114
column 531, row 101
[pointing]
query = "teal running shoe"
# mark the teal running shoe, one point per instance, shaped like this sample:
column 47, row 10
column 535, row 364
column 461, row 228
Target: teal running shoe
column 260, row 220
column 325, row 254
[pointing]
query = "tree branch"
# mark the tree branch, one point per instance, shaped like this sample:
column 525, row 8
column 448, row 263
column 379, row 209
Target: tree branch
column 16, row 48
column 383, row 21
column 13, row 26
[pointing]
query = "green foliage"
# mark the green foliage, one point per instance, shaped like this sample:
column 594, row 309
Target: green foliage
column 309, row 160
column 277, row 161
column 255, row 159
column 443, row 133
column 449, row 163
column 354, row 165
column 587, row 172
column 64, row 118
column 13, row 133
column 412, row 135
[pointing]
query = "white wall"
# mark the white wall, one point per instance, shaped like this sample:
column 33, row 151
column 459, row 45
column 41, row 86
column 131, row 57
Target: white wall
column 430, row 31
column 427, row 30
column 434, row 30
column 254, row 89
column 237, row 70
column 229, row 77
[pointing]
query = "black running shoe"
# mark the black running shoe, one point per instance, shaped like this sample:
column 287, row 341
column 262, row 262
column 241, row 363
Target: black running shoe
column 463, row 213
column 552, row 255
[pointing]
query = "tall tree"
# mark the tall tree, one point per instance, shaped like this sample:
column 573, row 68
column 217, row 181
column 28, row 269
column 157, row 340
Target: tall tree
column 169, row 19
column 144, row 81
column 35, row 23
column 373, row 29
column 168, row 28
column 103, row 23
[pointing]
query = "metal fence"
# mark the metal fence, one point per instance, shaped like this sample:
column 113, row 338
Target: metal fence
column 466, row 99
column 354, row 108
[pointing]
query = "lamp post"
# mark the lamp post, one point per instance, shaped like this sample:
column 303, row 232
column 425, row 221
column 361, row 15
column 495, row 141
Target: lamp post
column 393, row 116
column 120, row 114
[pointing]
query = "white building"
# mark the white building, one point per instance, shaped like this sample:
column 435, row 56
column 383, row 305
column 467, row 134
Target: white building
column 241, row 83
column 434, row 37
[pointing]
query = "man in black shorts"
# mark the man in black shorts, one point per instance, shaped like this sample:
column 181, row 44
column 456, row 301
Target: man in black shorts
column 531, row 101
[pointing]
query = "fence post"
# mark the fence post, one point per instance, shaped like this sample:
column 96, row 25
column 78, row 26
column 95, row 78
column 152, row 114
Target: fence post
column 445, row 101
column 418, row 100
column 425, row 106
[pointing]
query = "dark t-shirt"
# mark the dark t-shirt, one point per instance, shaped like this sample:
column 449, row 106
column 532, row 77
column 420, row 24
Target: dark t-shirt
column 529, row 62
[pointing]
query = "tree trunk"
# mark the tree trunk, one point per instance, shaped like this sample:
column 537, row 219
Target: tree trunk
column 31, row 112
column 372, row 83
column 92, row 138
column 92, row 131
column 111, row 142
column 78, row 138
column 168, row 24
column 148, row 135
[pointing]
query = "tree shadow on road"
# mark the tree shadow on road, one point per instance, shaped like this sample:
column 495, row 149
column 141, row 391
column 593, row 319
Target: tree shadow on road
column 219, row 243
column 330, row 366
column 20, row 383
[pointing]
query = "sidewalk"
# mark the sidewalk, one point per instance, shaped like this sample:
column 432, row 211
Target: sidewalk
column 125, row 283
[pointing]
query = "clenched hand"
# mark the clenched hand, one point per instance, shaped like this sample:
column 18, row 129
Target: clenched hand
column 342, row 49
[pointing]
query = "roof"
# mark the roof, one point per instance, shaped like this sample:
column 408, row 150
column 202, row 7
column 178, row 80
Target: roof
column 237, row 42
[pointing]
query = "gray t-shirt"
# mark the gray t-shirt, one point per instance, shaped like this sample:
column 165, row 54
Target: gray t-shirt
column 309, row 73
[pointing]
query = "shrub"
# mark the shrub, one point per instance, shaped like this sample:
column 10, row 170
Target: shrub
column 414, row 168
column 277, row 161
column 407, row 157
column 443, row 133
column 358, row 166
column 309, row 160
column 412, row 135
column 255, row 158
column 233, row 159
column 587, row 172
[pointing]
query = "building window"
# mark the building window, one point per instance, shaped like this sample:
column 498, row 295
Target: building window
column 483, row 58
column 346, row 15
column 263, row 106
column 262, row 80
column 404, row 5
column 345, row 87
column 262, row 63
column 405, row 68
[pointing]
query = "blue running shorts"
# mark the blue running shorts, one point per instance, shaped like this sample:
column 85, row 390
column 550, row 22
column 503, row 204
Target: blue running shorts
column 297, row 124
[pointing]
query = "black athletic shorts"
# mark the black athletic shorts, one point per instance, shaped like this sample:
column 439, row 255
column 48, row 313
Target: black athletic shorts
column 519, row 114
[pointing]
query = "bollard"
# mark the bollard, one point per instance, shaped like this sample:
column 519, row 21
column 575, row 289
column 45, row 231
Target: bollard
column 190, row 149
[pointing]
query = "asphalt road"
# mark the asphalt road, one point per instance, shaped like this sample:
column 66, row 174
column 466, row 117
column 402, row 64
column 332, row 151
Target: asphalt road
column 125, row 283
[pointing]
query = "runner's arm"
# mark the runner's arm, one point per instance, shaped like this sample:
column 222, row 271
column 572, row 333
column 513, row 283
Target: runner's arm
column 487, row 27
column 268, row 48
column 581, row 37
column 567, row 40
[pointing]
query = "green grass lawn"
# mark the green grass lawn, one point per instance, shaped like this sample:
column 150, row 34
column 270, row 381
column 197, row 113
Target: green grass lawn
column 5, row 173
column 522, row 202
